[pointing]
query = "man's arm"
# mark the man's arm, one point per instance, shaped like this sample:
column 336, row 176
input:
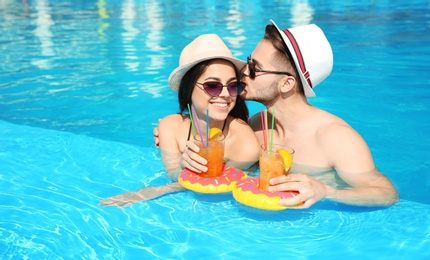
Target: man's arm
column 351, row 158
column 354, row 164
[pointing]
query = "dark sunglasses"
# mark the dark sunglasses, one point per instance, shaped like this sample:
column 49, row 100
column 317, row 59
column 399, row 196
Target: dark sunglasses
column 253, row 70
column 214, row 88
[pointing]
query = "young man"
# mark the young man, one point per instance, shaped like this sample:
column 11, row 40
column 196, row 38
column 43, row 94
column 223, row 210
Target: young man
column 331, row 160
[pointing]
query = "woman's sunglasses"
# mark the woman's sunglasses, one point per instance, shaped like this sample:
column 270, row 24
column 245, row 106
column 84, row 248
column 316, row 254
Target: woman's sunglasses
column 253, row 70
column 214, row 88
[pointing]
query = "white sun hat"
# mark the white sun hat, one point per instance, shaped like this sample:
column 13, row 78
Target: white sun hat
column 205, row 47
column 311, row 52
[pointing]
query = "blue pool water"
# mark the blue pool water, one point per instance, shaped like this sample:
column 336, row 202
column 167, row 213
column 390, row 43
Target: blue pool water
column 83, row 83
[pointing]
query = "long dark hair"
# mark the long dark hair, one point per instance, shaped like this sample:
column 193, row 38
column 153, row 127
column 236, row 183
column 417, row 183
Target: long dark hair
column 240, row 110
column 283, row 54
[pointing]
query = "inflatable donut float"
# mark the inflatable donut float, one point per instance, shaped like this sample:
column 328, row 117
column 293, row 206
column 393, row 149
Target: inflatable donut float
column 248, row 193
column 221, row 184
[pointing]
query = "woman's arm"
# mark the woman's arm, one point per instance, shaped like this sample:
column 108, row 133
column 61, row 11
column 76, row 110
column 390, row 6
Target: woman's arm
column 170, row 155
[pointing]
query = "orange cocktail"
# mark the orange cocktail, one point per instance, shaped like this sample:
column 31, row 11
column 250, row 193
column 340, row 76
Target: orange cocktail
column 213, row 153
column 273, row 163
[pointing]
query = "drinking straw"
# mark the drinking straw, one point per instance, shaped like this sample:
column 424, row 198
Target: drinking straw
column 266, row 123
column 262, row 127
column 192, row 121
column 271, row 134
column 207, row 126
column 196, row 121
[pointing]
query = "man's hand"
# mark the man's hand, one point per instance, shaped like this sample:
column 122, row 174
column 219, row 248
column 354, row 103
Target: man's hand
column 156, row 139
column 310, row 189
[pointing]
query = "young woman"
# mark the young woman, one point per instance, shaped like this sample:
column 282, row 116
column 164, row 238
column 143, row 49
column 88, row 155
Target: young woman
column 207, row 78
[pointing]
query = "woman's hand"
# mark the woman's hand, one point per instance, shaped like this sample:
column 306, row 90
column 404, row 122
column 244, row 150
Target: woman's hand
column 126, row 199
column 192, row 160
column 122, row 200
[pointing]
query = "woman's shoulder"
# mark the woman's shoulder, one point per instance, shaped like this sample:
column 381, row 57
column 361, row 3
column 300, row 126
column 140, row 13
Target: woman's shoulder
column 240, row 130
column 172, row 122
column 172, row 132
column 242, row 144
column 237, row 123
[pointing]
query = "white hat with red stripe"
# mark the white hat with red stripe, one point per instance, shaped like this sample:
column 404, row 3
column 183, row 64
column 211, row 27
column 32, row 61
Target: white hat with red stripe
column 311, row 52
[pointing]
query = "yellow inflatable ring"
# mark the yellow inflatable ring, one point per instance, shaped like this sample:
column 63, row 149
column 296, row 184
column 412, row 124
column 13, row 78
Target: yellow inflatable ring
column 248, row 193
column 221, row 184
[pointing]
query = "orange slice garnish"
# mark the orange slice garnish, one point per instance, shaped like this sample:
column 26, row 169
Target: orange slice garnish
column 214, row 133
column 287, row 158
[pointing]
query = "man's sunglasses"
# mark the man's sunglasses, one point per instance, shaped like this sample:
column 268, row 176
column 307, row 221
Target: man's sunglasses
column 214, row 88
column 253, row 70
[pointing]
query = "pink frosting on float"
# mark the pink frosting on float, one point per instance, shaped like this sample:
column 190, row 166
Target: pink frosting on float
column 228, row 176
column 251, row 184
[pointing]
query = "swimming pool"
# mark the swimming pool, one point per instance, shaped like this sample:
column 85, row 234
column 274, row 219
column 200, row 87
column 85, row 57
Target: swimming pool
column 84, row 82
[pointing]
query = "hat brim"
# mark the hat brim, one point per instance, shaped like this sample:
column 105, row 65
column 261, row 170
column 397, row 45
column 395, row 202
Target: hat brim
column 176, row 76
column 308, row 90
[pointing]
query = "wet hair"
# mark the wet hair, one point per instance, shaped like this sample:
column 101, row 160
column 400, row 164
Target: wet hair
column 188, row 82
column 283, row 54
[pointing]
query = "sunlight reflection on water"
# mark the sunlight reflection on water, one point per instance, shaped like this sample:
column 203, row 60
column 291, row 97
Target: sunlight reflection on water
column 84, row 83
